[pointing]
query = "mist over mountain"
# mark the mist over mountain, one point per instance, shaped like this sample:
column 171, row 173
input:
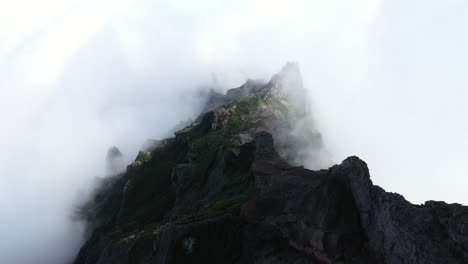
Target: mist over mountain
column 224, row 190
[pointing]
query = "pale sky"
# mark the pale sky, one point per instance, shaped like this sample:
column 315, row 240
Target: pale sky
column 387, row 81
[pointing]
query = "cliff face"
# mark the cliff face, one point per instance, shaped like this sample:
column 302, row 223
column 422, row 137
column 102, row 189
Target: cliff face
column 224, row 191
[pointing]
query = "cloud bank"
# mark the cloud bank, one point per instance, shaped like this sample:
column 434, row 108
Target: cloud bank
column 386, row 79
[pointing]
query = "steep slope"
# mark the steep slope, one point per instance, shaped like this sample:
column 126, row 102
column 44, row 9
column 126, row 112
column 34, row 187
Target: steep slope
column 224, row 191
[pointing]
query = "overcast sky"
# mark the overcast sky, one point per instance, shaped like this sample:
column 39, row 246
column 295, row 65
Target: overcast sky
column 388, row 82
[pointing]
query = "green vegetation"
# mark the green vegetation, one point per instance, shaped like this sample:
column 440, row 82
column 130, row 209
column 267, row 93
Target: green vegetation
column 230, row 205
column 247, row 105
column 152, row 196
column 279, row 107
column 117, row 235
column 209, row 142
column 236, row 192
column 143, row 156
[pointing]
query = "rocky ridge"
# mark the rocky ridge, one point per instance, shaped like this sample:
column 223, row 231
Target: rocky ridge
column 226, row 189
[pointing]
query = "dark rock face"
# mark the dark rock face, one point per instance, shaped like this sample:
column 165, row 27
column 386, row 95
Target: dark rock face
column 220, row 192
column 217, row 118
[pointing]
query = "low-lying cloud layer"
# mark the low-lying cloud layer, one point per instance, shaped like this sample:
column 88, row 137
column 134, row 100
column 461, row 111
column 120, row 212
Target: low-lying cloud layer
column 386, row 79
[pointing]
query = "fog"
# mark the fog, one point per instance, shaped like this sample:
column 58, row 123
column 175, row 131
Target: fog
column 387, row 82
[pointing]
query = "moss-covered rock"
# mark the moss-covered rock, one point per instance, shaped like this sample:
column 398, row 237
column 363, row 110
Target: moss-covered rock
column 143, row 156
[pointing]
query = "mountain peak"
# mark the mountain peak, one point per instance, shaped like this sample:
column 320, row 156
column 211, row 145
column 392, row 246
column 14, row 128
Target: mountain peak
column 229, row 188
column 287, row 85
column 289, row 77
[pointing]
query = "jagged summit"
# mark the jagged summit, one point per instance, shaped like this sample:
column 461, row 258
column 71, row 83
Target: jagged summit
column 289, row 77
column 286, row 85
column 279, row 107
column 229, row 188
column 216, row 99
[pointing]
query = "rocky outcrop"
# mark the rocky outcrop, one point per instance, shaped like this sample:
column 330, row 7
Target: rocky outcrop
column 215, row 99
column 218, row 118
column 114, row 161
column 221, row 191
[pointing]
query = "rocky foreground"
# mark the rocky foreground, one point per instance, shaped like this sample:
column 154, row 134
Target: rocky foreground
column 224, row 190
